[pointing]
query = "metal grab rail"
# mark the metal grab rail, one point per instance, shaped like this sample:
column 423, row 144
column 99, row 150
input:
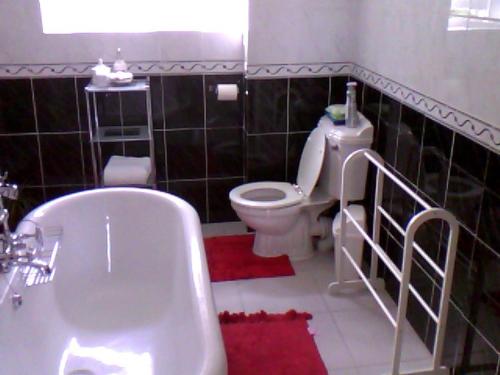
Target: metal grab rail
column 403, row 276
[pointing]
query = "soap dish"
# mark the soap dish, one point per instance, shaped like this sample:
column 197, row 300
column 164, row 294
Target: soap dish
column 336, row 113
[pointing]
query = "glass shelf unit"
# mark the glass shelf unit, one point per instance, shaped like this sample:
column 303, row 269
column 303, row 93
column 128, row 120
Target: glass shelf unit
column 119, row 132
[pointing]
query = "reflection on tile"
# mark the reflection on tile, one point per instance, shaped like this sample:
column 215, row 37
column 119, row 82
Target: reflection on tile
column 411, row 129
column 371, row 104
column 19, row 156
column 183, row 101
column 463, row 197
column 266, row 106
column 387, row 132
column 469, row 156
column 223, row 114
column 338, row 90
column 56, row 107
column 16, row 106
column 308, row 99
column 225, row 152
column 193, row 192
column 266, row 156
column 218, row 199
column 62, row 163
column 186, row 154
column 296, row 144
column 435, row 160
column 489, row 230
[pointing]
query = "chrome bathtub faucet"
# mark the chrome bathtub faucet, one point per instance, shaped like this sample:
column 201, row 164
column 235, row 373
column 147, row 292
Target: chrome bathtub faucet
column 15, row 248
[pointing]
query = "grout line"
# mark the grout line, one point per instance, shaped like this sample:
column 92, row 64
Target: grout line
column 207, row 203
column 329, row 90
column 287, row 127
column 164, row 121
column 40, row 157
column 82, row 158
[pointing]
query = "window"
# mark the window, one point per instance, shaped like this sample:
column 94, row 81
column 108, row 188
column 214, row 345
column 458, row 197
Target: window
column 140, row 16
column 474, row 15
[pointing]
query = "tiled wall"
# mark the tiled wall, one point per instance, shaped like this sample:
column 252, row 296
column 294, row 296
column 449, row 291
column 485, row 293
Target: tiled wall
column 204, row 148
column 44, row 141
column 450, row 171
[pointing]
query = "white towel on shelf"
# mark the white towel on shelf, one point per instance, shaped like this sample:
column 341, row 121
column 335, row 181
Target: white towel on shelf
column 127, row 170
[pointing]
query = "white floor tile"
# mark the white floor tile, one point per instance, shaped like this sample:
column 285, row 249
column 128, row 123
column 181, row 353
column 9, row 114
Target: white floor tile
column 227, row 296
column 280, row 294
column 330, row 343
column 369, row 336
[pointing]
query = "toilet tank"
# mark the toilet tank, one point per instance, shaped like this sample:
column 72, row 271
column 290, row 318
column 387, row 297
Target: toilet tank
column 341, row 142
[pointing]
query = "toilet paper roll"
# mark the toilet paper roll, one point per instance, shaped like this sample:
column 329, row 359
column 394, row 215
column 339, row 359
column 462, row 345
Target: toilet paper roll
column 227, row 92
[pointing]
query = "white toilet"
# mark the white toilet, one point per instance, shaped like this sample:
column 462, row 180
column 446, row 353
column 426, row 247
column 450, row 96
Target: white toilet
column 286, row 217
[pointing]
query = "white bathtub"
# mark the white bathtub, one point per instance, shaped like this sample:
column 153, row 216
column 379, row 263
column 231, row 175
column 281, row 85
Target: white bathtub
column 130, row 292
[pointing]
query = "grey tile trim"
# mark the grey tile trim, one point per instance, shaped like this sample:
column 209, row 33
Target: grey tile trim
column 136, row 67
column 261, row 71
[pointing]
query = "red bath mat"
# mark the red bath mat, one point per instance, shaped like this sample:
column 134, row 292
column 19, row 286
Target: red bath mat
column 231, row 258
column 270, row 344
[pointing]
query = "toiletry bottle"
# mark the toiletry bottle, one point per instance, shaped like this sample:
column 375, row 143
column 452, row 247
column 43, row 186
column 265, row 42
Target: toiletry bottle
column 351, row 111
column 119, row 65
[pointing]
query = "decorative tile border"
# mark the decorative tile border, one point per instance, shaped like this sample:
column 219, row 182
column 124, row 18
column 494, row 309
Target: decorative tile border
column 298, row 70
column 480, row 131
column 141, row 67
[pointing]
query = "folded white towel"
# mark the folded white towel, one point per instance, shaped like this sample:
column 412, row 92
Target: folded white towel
column 127, row 170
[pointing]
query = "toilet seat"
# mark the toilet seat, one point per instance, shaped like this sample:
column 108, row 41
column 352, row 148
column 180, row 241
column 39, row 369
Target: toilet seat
column 266, row 194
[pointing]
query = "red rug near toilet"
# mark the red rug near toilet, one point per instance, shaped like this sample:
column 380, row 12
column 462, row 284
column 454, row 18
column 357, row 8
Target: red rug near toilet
column 231, row 258
column 270, row 344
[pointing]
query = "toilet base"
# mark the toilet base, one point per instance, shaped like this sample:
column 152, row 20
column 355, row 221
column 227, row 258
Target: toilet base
column 296, row 243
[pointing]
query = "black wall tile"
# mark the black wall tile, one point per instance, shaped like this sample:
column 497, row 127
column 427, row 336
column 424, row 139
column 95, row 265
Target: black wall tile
column 16, row 106
column 308, row 100
column 218, row 199
column 267, row 106
column 29, row 198
column 435, row 160
column 386, row 136
column 62, row 162
column 296, row 144
column 183, row 101
column 194, row 192
column 134, row 110
column 411, row 129
column 489, row 228
column 225, row 152
column 266, row 157
column 157, row 101
column 371, row 104
column 81, row 83
column 160, row 152
column 470, row 157
column 56, row 106
column 493, row 172
column 221, row 113
column 186, row 154
column 463, row 197
column 108, row 109
column 137, row 148
column 338, row 90
column 19, row 156
column 54, row 192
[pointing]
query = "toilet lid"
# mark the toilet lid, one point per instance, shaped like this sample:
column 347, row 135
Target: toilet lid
column 311, row 161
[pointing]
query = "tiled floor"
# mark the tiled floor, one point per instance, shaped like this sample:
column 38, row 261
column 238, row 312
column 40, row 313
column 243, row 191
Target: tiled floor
column 351, row 332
